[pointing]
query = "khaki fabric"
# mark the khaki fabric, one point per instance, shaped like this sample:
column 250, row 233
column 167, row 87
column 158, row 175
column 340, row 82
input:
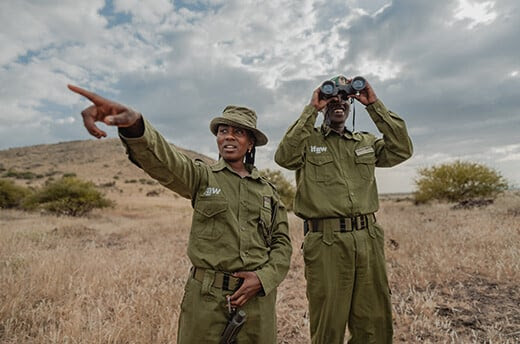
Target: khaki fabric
column 347, row 284
column 346, row 276
column 204, row 316
column 335, row 173
column 230, row 215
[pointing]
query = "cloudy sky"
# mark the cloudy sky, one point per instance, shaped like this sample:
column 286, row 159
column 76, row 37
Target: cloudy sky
column 451, row 69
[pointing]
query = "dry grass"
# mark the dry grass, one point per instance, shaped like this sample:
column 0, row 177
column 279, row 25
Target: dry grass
column 118, row 275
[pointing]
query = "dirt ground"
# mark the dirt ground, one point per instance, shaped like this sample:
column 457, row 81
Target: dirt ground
column 117, row 276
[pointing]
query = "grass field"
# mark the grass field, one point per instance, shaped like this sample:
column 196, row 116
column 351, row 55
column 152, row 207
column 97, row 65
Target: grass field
column 117, row 276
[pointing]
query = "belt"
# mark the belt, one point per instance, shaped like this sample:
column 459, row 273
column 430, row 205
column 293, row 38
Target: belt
column 340, row 224
column 223, row 280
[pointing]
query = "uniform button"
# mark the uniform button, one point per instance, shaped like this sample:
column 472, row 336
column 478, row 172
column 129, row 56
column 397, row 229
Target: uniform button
column 243, row 228
column 352, row 194
column 246, row 253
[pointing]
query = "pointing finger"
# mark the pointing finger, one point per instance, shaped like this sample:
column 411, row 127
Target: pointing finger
column 94, row 98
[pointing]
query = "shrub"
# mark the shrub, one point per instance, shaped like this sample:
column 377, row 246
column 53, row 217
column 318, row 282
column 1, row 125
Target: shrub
column 22, row 175
column 11, row 195
column 285, row 188
column 67, row 196
column 458, row 181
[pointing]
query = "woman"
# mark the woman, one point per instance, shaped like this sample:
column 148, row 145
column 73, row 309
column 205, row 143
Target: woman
column 239, row 243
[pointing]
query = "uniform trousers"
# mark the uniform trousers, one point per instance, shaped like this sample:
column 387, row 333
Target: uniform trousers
column 204, row 315
column 347, row 284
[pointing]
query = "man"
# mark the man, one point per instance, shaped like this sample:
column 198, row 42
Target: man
column 239, row 243
column 337, row 197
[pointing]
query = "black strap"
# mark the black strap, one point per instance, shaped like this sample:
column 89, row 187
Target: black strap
column 342, row 225
column 225, row 282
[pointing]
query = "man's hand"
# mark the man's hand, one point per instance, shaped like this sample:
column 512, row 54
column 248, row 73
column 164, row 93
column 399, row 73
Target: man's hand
column 106, row 111
column 249, row 288
column 366, row 96
column 318, row 103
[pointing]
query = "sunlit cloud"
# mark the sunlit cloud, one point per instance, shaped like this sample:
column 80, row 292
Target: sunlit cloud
column 475, row 12
column 382, row 69
column 67, row 120
column 181, row 62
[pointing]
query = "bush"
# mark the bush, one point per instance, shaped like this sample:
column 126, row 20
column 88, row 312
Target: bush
column 285, row 188
column 67, row 196
column 458, row 181
column 22, row 175
column 11, row 195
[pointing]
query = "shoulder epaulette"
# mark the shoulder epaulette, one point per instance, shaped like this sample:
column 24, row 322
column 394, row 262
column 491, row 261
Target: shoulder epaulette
column 267, row 181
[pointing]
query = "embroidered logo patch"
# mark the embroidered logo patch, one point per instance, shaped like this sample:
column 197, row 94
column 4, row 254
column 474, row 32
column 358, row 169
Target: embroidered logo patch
column 210, row 191
column 318, row 150
column 267, row 202
column 364, row 150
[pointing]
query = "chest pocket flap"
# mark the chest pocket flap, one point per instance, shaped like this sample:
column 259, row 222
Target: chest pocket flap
column 319, row 159
column 368, row 158
column 206, row 222
column 320, row 167
column 211, row 208
column 365, row 165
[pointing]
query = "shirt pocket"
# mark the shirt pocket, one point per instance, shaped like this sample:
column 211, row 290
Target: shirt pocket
column 210, row 219
column 320, row 167
column 366, row 165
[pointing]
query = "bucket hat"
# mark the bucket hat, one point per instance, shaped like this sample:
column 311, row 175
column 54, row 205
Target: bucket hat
column 242, row 117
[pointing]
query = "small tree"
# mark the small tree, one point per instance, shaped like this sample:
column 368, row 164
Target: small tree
column 284, row 187
column 11, row 195
column 458, row 181
column 67, row 196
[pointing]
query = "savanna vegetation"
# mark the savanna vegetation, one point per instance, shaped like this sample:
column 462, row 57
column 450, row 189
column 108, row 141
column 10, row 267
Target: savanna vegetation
column 458, row 181
column 117, row 274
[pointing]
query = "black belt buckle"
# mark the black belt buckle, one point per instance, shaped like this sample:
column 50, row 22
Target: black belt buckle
column 342, row 225
column 362, row 222
column 353, row 224
column 240, row 282
column 226, row 280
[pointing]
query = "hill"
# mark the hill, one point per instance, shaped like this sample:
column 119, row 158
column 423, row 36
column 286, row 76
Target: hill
column 103, row 162
column 118, row 275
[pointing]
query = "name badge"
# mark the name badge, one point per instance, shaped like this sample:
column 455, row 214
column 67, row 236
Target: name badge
column 267, row 202
column 364, row 150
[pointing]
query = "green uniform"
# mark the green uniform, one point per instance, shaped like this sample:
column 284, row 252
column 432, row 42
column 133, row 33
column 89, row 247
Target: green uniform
column 231, row 216
column 344, row 250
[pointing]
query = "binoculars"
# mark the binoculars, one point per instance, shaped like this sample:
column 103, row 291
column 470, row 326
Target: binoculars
column 329, row 88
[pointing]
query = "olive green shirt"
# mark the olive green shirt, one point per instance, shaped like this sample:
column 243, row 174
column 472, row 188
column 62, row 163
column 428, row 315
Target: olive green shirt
column 335, row 173
column 231, row 213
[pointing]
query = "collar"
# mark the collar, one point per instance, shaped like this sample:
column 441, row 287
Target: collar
column 326, row 131
column 221, row 164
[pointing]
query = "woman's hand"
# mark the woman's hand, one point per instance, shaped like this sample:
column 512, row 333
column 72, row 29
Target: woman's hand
column 249, row 288
column 106, row 111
